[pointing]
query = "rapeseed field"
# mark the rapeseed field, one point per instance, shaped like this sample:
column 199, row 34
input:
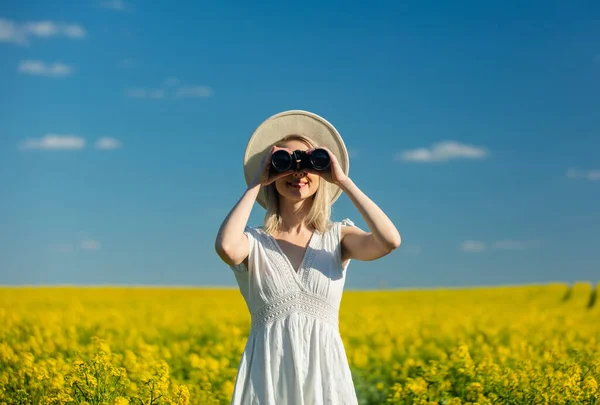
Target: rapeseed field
column 151, row 346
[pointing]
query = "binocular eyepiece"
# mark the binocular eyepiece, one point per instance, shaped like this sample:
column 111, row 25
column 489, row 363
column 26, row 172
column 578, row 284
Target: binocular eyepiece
column 282, row 160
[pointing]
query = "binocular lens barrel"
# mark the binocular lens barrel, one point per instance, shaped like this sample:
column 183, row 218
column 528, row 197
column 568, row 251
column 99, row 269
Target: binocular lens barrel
column 283, row 160
column 319, row 159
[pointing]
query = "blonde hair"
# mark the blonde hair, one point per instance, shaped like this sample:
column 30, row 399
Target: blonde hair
column 319, row 214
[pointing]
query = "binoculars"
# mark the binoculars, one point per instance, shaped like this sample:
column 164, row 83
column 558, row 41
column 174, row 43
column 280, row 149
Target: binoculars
column 282, row 160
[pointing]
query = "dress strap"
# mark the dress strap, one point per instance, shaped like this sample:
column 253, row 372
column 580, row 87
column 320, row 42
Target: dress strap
column 347, row 222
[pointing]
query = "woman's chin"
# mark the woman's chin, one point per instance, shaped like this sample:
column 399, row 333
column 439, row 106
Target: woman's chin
column 296, row 196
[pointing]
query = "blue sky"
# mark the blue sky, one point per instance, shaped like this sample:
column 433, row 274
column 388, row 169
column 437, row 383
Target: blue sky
column 475, row 127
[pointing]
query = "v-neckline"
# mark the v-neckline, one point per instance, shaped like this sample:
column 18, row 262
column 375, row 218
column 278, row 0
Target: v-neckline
column 303, row 262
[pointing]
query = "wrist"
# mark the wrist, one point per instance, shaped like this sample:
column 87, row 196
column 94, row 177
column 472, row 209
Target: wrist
column 344, row 183
column 253, row 187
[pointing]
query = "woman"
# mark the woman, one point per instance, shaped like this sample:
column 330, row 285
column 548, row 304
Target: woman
column 291, row 272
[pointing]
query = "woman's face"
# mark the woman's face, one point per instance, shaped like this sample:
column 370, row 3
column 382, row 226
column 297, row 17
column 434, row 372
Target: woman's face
column 297, row 186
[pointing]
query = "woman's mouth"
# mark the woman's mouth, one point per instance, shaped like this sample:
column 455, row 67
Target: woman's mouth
column 297, row 185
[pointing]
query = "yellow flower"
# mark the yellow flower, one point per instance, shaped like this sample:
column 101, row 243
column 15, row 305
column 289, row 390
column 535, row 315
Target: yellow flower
column 417, row 386
column 74, row 345
column 227, row 389
column 590, row 385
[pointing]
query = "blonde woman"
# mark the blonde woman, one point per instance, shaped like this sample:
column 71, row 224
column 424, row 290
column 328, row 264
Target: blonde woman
column 291, row 271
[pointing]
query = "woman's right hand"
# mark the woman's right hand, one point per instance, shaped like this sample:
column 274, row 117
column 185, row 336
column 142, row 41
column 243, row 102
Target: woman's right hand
column 265, row 176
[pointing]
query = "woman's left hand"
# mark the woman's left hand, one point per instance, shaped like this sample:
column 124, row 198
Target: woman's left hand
column 334, row 173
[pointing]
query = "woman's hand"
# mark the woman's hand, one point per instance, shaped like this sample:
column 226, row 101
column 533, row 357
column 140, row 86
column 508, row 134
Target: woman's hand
column 334, row 173
column 265, row 176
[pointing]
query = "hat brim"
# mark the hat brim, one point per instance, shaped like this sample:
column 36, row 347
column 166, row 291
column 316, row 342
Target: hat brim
column 293, row 122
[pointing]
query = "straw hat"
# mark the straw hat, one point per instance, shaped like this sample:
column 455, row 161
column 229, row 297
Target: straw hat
column 293, row 122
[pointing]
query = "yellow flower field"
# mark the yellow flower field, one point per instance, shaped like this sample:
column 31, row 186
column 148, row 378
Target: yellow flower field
column 504, row 345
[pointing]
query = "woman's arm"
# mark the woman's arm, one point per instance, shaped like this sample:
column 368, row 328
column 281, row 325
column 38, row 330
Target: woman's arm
column 232, row 244
column 383, row 236
column 357, row 244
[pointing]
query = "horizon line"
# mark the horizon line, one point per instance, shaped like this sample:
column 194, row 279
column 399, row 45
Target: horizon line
column 230, row 287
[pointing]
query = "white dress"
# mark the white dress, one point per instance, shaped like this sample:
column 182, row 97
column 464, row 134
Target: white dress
column 294, row 353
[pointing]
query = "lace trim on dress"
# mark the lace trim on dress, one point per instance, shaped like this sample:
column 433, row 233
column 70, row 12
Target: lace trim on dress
column 274, row 252
column 313, row 248
column 295, row 302
column 301, row 276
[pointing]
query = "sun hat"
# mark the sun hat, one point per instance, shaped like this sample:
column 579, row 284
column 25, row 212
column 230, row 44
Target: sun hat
column 293, row 122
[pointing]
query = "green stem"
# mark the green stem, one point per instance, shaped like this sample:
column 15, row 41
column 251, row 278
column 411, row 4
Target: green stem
column 80, row 390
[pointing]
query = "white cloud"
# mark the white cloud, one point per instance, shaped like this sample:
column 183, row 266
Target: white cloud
column 193, row 91
column 126, row 63
column 85, row 244
column 136, row 93
column 170, row 88
column 472, row 246
column 47, row 29
column 117, row 5
column 156, row 93
column 171, row 82
column 54, row 141
column 20, row 34
column 591, row 175
column 43, row 29
column 108, row 143
column 89, row 244
column 10, row 32
column 572, row 173
column 442, row 152
column 39, row 68
column 475, row 246
column 74, row 31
